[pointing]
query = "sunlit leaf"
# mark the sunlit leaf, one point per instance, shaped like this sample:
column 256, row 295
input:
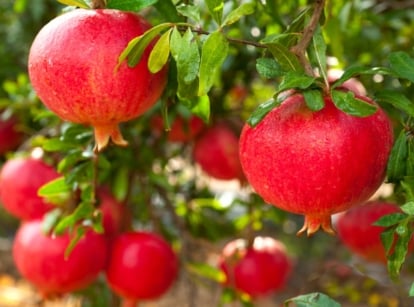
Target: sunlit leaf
column 347, row 102
column 129, row 5
column 408, row 208
column 207, row 271
column 216, row 9
column 78, row 3
column 54, row 187
column 315, row 299
column 240, row 11
column 160, row 53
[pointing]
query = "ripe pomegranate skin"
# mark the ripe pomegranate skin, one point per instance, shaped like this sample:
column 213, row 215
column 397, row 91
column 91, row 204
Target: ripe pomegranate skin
column 257, row 271
column 356, row 230
column 181, row 130
column 216, row 151
column 316, row 163
column 20, row 179
column 73, row 69
column 40, row 259
column 142, row 266
column 10, row 137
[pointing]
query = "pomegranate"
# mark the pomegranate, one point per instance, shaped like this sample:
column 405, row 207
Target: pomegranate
column 10, row 136
column 316, row 163
column 20, row 179
column 357, row 232
column 216, row 151
column 142, row 266
column 40, row 258
column 259, row 270
column 181, row 130
column 73, row 67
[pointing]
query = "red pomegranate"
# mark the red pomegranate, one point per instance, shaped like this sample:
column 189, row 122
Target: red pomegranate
column 40, row 258
column 316, row 163
column 216, row 151
column 259, row 270
column 142, row 266
column 20, row 180
column 181, row 129
column 10, row 136
column 357, row 232
column 73, row 66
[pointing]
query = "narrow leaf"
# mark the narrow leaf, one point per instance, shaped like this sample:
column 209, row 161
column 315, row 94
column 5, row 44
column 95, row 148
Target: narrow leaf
column 239, row 12
column 261, row 111
column 285, row 58
column 408, row 208
column 83, row 210
column 314, row 99
column 78, row 3
column 214, row 52
column 160, row 53
column 295, row 80
column 396, row 167
column 130, row 5
column 398, row 100
column 216, row 9
column 387, row 239
column 317, row 53
column 391, row 219
column 402, row 65
column 315, row 299
column 397, row 258
column 207, row 271
column 347, row 102
column 190, row 11
column 80, row 232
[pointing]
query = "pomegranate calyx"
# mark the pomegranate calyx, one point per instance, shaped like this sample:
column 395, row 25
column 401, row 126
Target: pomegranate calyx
column 105, row 133
column 313, row 223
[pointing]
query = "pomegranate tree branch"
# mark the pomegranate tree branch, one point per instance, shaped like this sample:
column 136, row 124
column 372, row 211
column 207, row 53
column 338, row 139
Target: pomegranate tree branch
column 300, row 48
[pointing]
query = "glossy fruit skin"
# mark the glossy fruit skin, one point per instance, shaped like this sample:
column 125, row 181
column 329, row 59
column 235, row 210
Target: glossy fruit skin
column 356, row 230
column 216, row 151
column 10, row 136
column 73, row 67
column 20, row 180
column 40, row 259
column 181, row 129
column 259, row 270
column 316, row 163
column 142, row 266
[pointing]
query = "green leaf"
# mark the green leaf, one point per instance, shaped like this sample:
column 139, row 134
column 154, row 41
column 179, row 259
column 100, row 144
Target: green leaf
column 57, row 144
column 216, row 9
column 136, row 47
column 408, row 208
column 240, row 11
column 387, row 239
column 411, row 291
column 54, row 187
column 317, row 53
column 160, row 53
column 347, row 102
column 207, row 271
column 83, row 211
column 129, row 5
column 214, row 52
column 397, row 258
column 315, row 299
column 80, row 232
column 398, row 100
column 202, row 108
column 396, row 167
column 402, row 65
column 261, row 111
column 190, row 11
column 285, row 58
column 389, row 220
column 314, row 99
column 168, row 10
column 78, row 3
column 295, row 80
column 268, row 68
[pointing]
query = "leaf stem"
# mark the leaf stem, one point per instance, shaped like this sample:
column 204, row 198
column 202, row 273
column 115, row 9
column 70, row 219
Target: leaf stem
column 98, row 4
column 300, row 48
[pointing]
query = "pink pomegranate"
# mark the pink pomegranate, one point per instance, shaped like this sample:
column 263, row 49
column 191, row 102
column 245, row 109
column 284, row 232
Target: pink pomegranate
column 142, row 266
column 316, row 163
column 357, row 232
column 259, row 270
column 216, row 151
column 73, row 66
column 181, row 130
column 10, row 136
column 40, row 258
column 20, row 180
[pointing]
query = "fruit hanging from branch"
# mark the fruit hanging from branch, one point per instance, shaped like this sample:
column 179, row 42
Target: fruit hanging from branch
column 73, row 67
column 316, row 163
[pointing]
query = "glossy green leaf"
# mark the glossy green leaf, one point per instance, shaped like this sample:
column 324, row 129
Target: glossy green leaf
column 190, row 11
column 408, row 208
column 293, row 80
column 398, row 100
column 315, row 299
column 402, row 65
column 261, row 111
column 78, row 3
column 390, row 219
column 216, row 9
column 347, row 102
column 314, row 99
column 317, row 53
column 285, row 58
column 136, row 47
column 357, row 70
column 54, row 187
column 214, row 52
column 207, row 271
column 239, row 12
column 160, row 53
column 268, row 68
column 396, row 167
column 129, row 5
column 387, row 239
